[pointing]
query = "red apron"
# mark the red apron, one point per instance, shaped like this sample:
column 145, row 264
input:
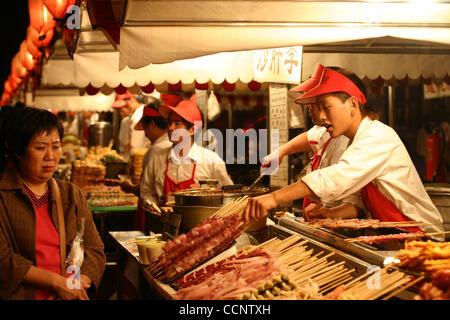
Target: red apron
column 381, row 208
column 170, row 185
column 314, row 166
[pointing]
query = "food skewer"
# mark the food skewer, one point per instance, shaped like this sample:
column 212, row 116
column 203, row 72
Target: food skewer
column 397, row 236
column 394, row 293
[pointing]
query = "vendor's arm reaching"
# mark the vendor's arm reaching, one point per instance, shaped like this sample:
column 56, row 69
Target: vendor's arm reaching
column 259, row 207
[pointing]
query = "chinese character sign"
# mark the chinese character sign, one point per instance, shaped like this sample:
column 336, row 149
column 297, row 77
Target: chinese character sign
column 282, row 65
column 436, row 91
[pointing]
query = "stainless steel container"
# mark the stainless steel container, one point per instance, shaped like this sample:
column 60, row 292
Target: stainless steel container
column 440, row 195
column 196, row 205
column 100, row 134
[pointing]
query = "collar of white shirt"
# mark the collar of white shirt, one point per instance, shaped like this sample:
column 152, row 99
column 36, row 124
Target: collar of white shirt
column 365, row 123
column 194, row 155
column 161, row 139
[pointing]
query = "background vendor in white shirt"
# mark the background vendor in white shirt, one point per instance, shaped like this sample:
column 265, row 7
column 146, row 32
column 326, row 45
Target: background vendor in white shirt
column 154, row 126
column 376, row 162
column 184, row 164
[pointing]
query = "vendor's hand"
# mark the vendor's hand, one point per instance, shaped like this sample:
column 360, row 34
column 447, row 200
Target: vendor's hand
column 271, row 162
column 86, row 281
column 194, row 186
column 126, row 186
column 315, row 211
column 74, row 291
column 259, row 207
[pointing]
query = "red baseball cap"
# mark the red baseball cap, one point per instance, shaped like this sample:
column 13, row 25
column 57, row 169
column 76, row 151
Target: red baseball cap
column 186, row 109
column 147, row 112
column 120, row 99
column 325, row 80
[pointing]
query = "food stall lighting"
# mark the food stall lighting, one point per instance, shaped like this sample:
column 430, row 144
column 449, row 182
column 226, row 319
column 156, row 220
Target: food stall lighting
column 390, row 260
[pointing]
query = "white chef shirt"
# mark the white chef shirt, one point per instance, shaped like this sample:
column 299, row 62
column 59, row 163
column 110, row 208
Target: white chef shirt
column 317, row 137
column 209, row 166
column 377, row 155
column 138, row 140
column 161, row 143
column 124, row 134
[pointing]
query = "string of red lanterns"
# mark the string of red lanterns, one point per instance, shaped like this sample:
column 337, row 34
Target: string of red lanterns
column 44, row 15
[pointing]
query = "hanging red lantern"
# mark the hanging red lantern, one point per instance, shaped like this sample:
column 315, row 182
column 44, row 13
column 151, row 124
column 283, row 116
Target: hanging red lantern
column 15, row 79
column 40, row 18
column 58, row 8
column 229, row 87
column 148, row 88
column 32, row 48
column 40, row 39
column 14, row 82
column 25, row 57
column 254, row 85
column 7, row 88
column 17, row 68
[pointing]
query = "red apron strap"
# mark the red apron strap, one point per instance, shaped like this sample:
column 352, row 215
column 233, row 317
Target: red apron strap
column 170, row 185
column 382, row 208
column 314, row 166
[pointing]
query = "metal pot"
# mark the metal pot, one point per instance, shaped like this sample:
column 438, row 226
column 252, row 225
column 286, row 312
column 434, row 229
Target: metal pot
column 100, row 134
column 196, row 205
column 215, row 197
column 193, row 215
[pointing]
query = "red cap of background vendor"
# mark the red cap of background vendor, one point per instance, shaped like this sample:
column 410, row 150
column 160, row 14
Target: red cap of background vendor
column 121, row 99
column 325, row 80
column 186, row 109
column 148, row 112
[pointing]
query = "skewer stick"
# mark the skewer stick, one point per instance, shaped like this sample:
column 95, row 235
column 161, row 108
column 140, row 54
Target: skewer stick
column 334, row 284
column 394, row 293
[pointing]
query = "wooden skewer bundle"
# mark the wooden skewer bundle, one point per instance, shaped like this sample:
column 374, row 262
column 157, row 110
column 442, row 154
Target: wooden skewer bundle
column 385, row 282
column 307, row 267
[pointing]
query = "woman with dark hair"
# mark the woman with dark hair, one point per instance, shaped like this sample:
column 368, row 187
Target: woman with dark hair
column 376, row 161
column 32, row 245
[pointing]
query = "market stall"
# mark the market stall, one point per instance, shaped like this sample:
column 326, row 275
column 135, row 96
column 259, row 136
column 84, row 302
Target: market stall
column 409, row 51
column 301, row 261
column 307, row 261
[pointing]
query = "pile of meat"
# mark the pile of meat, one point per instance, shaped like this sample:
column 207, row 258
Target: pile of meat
column 388, row 237
column 344, row 223
column 432, row 258
column 102, row 196
column 246, row 275
column 437, row 289
column 189, row 250
column 356, row 224
column 425, row 256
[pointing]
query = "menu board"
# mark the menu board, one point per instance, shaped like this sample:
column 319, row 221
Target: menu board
column 279, row 130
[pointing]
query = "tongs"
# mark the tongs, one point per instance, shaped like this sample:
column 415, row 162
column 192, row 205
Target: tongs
column 254, row 183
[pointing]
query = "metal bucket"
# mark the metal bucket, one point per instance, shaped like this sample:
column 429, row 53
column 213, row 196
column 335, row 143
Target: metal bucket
column 100, row 134
column 440, row 195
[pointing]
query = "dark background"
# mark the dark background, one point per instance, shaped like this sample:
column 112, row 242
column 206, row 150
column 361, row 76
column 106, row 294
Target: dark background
column 13, row 30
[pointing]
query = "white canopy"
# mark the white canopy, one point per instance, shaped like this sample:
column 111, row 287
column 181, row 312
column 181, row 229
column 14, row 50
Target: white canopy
column 144, row 40
column 166, row 31
column 69, row 99
column 59, row 69
column 387, row 66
